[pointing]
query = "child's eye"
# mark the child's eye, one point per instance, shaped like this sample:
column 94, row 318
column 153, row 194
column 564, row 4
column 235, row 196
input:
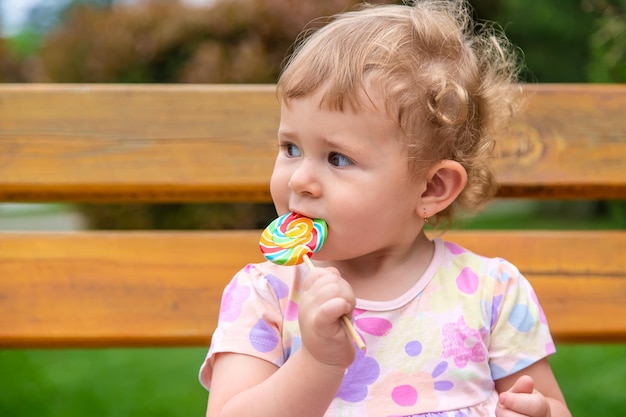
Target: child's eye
column 291, row 150
column 339, row 160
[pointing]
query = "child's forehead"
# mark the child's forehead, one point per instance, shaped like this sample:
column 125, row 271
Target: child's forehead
column 370, row 108
column 365, row 96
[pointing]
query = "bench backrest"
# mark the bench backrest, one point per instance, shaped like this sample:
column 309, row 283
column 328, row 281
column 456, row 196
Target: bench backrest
column 176, row 143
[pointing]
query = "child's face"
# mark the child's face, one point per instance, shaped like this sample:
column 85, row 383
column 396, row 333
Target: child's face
column 350, row 169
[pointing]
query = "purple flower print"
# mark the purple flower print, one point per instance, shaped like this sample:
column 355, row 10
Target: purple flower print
column 364, row 371
column 413, row 348
column 462, row 344
column 438, row 371
column 263, row 337
column 495, row 309
column 407, row 395
column 399, row 390
column 280, row 288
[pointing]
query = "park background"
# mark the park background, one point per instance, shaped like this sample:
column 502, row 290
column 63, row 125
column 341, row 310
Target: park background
column 245, row 41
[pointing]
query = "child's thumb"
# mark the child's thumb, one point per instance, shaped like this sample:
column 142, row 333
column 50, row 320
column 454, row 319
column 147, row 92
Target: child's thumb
column 524, row 385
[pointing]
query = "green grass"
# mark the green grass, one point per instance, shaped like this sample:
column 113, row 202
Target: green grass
column 101, row 383
column 592, row 378
column 163, row 382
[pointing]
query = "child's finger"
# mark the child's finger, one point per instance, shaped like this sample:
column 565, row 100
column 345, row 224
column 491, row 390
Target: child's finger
column 315, row 274
column 333, row 309
column 523, row 385
column 522, row 398
column 533, row 404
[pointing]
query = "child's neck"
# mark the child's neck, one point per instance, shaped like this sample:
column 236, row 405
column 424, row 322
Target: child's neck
column 387, row 275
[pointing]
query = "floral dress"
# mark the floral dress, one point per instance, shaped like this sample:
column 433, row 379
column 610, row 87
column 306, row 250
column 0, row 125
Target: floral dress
column 434, row 351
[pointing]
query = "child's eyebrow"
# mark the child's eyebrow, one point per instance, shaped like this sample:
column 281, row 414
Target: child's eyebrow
column 339, row 146
column 286, row 133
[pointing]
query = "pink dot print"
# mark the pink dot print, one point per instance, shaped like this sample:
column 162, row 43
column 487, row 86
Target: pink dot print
column 404, row 395
column 467, row 281
column 375, row 326
column 232, row 301
column 454, row 248
column 291, row 312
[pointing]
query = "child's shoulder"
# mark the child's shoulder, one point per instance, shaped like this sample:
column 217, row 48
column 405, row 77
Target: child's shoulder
column 467, row 273
column 459, row 258
column 267, row 274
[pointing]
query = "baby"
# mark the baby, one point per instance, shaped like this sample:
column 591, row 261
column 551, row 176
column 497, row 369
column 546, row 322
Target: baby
column 388, row 116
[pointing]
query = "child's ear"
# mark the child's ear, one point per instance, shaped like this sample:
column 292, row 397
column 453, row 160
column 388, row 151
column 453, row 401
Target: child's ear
column 445, row 181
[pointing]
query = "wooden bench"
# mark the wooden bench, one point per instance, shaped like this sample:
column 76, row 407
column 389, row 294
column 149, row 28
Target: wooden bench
column 177, row 143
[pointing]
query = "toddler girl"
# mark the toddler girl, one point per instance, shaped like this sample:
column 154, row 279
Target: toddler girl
column 387, row 121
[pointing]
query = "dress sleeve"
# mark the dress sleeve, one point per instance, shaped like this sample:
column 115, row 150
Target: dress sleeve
column 519, row 330
column 250, row 321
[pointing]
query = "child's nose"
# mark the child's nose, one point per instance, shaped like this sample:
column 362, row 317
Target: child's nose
column 304, row 180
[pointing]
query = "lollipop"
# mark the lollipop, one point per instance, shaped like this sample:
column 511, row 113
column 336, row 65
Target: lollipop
column 290, row 240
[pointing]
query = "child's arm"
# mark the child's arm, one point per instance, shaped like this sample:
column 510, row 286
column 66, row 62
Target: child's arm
column 532, row 392
column 247, row 386
column 308, row 381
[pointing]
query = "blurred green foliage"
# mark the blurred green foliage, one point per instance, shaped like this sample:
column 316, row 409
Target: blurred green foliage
column 11, row 65
column 608, row 43
column 553, row 35
column 241, row 41
column 246, row 40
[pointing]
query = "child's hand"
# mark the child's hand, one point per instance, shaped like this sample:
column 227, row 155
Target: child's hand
column 523, row 400
column 325, row 298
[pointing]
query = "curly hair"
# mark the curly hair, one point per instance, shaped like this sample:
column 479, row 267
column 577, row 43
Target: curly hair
column 450, row 83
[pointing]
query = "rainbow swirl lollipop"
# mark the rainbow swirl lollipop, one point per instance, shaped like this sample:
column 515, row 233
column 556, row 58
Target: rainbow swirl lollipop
column 291, row 237
column 290, row 240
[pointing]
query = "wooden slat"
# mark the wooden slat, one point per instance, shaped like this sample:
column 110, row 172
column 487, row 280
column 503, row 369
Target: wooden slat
column 101, row 289
column 571, row 143
column 164, row 288
column 136, row 142
column 96, row 143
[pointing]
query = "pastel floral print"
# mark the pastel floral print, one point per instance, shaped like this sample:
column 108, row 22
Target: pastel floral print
column 463, row 344
column 232, row 301
column 434, row 352
column 363, row 372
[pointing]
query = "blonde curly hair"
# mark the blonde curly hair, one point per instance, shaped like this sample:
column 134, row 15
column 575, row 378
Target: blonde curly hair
column 449, row 83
